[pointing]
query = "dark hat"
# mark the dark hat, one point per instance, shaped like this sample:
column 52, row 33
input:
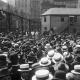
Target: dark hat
column 13, row 58
column 69, row 59
column 77, row 58
column 62, row 66
column 59, row 74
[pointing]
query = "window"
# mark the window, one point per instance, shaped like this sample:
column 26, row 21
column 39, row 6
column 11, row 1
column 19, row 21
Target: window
column 71, row 20
column 44, row 18
column 62, row 19
column 45, row 28
column 75, row 18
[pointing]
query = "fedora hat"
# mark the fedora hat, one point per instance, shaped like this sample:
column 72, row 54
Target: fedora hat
column 57, row 58
column 76, row 69
column 42, row 74
column 24, row 68
column 50, row 54
column 44, row 62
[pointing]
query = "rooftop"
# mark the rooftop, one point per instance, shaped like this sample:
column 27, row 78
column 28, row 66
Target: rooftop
column 62, row 11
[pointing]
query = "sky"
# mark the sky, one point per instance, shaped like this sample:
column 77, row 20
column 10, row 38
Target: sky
column 11, row 2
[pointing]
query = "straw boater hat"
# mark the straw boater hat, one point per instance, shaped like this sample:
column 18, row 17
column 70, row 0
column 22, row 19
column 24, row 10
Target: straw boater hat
column 48, row 46
column 42, row 74
column 64, row 48
column 77, row 47
column 24, row 68
column 76, row 69
column 65, row 54
column 57, row 58
column 50, row 54
column 44, row 62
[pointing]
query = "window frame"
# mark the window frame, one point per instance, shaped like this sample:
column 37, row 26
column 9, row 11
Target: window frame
column 45, row 19
column 62, row 19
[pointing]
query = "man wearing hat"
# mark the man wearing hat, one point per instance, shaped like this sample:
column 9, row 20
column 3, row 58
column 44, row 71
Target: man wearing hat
column 56, row 59
column 70, row 76
column 44, row 63
column 50, row 54
column 25, row 71
column 69, row 60
column 76, row 72
column 64, row 48
column 77, row 49
column 48, row 47
column 42, row 74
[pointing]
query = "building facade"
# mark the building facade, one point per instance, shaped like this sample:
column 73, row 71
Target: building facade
column 30, row 8
column 61, row 19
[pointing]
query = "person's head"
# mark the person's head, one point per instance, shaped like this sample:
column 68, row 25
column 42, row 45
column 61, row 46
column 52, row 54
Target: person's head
column 70, row 76
column 69, row 59
column 44, row 61
column 77, row 47
column 77, row 59
column 24, row 70
column 64, row 67
column 48, row 46
column 76, row 72
column 50, row 54
column 42, row 74
column 57, row 58
column 64, row 48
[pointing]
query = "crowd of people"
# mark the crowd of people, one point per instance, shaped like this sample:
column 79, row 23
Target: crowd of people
column 53, row 57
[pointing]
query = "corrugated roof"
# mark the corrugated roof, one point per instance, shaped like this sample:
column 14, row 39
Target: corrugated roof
column 62, row 11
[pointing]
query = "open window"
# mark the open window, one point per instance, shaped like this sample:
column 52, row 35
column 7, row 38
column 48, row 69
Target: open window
column 44, row 18
column 62, row 19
